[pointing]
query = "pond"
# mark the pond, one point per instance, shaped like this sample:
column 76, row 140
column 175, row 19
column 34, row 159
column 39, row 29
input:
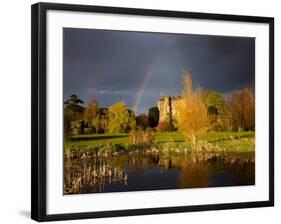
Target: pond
column 141, row 171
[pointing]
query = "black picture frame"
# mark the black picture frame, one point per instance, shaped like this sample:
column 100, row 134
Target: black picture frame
column 39, row 124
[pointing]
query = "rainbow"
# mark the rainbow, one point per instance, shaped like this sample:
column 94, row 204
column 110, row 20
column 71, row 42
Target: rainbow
column 142, row 88
column 147, row 77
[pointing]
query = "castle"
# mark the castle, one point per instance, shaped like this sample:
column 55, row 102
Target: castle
column 167, row 107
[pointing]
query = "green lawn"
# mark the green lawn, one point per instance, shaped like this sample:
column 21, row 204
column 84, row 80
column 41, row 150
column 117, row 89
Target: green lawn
column 241, row 141
column 160, row 137
column 80, row 140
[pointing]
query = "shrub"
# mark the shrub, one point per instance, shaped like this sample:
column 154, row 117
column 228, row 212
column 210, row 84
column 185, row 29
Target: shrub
column 138, row 137
column 163, row 126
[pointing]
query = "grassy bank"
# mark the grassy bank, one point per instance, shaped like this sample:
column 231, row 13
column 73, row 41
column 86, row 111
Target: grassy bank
column 231, row 141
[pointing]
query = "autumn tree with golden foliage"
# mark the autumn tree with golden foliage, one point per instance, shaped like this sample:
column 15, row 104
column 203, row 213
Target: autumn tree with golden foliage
column 192, row 114
column 241, row 106
column 91, row 111
column 120, row 119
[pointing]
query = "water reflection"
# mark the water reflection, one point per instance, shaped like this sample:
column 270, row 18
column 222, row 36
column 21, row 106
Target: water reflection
column 153, row 171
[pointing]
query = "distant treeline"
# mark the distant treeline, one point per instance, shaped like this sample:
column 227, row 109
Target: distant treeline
column 200, row 110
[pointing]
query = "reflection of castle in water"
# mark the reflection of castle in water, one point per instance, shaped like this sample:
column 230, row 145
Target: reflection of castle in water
column 167, row 107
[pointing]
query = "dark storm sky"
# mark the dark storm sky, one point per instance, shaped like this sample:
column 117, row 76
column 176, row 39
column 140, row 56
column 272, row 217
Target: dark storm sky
column 140, row 67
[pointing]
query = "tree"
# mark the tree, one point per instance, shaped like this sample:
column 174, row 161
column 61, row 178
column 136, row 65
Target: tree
column 153, row 116
column 241, row 106
column 90, row 114
column 74, row 105
column 131, row 121
column 101, row 120
column 215, row 102
column 192, row 116
column 73, row 111
column 142, row 121
column 216, row 110
column 91, row 111
column 120, row 119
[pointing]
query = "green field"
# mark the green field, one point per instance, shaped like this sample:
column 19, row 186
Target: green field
column 237, row 141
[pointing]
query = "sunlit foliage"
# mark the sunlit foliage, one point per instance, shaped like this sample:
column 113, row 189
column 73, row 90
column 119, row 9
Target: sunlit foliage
column 192, row 115
column 120, row 119
column 91, row 111
column 241, row 106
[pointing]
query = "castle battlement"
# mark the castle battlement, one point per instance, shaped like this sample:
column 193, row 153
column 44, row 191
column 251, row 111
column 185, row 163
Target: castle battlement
column 167, row 107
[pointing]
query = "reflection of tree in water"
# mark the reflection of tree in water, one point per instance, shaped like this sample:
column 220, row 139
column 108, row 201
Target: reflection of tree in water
column 94, row 174
column 196, row 172
column 243, row 170
column 193, row 174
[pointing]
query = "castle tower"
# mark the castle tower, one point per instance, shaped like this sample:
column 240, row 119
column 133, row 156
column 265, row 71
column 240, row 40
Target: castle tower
column 167, row 107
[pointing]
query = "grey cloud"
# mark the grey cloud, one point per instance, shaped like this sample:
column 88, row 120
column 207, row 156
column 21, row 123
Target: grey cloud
column 111, row 65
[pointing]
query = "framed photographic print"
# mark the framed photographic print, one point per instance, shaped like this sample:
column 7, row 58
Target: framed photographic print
column 138, row 111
